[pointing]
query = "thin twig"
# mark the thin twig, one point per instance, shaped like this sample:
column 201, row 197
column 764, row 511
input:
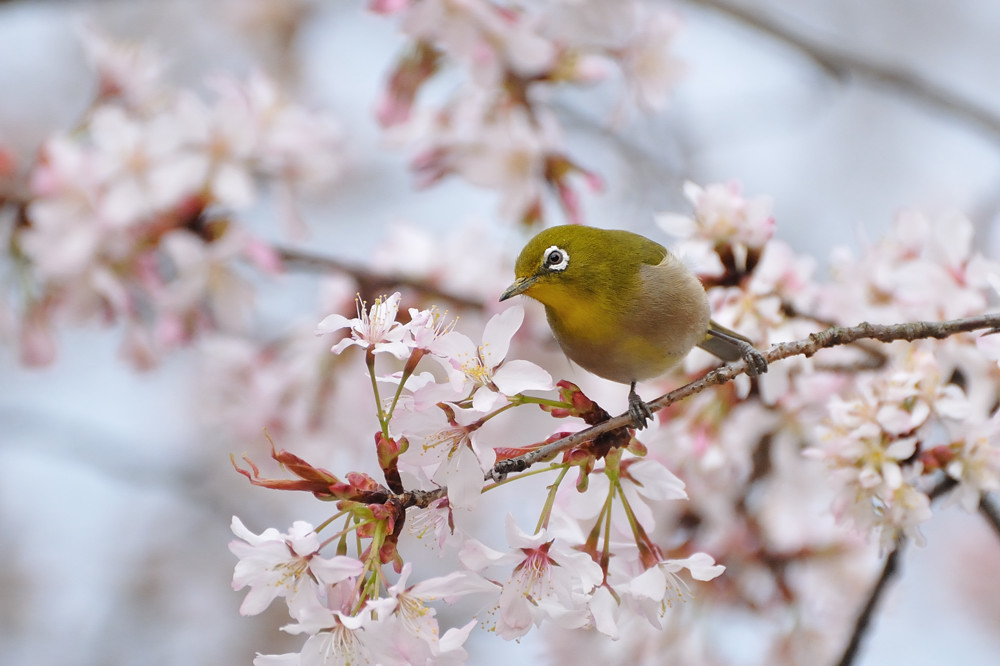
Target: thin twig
column 863, row 621
column 990, row 512
column 832, row 337
column 889, row 571
column 370, row 281
column 840, row 64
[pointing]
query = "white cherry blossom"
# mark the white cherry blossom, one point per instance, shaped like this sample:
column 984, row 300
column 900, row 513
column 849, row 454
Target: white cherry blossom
column 275, row 565
column 375, row 328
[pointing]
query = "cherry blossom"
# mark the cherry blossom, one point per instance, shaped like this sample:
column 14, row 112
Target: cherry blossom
column 273, row 564
column 445, row 450
column 484, row 369
column 973, row 461
column 723, row 214
column 375, row 328
column 650, row 66
column 131, row 72
column 481, row 34
column 334, row 637
column 500, row 130
column 658, row 586
column 927, row 268
column 414, row 633
column 549, row 580
column 131, row 217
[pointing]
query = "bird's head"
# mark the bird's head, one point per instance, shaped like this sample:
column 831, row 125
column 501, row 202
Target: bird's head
column 571, row 263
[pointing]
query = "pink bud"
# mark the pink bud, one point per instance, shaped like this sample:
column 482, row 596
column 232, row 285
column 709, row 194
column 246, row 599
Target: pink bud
column 263, row 256
column 388, row 6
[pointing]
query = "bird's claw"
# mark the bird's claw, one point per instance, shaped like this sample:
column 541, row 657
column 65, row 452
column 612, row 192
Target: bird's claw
column 638, row 410
column 756, row 363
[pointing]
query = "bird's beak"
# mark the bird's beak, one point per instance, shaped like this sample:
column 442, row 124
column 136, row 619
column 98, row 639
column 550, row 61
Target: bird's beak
column 520, row 286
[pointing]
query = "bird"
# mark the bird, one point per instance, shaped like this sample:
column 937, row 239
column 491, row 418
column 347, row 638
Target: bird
column 622, row 306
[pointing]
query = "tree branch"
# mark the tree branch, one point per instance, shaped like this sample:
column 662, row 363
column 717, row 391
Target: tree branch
column 843, row 64
column 369, row 281
column 832, row 337
column 889, row 571
column 990, row 512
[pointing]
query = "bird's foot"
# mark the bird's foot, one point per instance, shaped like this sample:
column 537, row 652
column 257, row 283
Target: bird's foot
column 637, row 409
column 756, row 363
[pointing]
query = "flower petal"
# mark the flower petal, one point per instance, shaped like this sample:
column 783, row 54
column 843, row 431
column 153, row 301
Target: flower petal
column 497, row 334
column 518, row 375
column 332, row 323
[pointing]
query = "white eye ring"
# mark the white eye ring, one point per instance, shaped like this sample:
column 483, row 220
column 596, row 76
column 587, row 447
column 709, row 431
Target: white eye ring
column 555, row 258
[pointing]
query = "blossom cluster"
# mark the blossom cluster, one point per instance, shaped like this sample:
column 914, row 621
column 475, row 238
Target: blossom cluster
column 430, row 440
column 867, row 436
column 131, row 216
column 757, row 497
column 500, row 130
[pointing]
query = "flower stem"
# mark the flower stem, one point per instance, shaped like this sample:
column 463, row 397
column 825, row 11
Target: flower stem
column 533, row 472
column 543, row 519
column 407, row 372
column 329, row 520
column 478, row 423
column 522, row 399
column 382, row 420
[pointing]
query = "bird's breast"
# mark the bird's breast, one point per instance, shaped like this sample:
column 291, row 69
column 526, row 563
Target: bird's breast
column 637, row 335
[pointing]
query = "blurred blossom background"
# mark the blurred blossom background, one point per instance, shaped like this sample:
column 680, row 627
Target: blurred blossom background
column 117, row 488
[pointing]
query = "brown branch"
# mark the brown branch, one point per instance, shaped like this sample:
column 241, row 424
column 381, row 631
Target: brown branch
column 863, row 621
column 369, row 281
column 841, row 64
column 889, row 571
column 990, row 512
column 832, row 337
column 876, row 357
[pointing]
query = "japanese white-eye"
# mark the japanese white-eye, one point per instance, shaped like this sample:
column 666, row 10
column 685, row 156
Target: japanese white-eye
column 621, row 306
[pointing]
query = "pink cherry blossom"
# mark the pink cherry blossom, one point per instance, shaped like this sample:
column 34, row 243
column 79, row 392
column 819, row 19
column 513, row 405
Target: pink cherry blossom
column 444, row 449
column 723, row 217
column 375, row 328
column 549, row 581
column 976, row 462
column 482, row 35
column 485, row 370
column 651, row 68
column 659, row 586
column 131, row 72
column 273, row 564
column 414, row 634
column 645, row 483
column 335, row 638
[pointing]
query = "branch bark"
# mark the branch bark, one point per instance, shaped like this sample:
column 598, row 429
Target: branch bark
column 831, row 337
column 990, row 512
column 889, row 571
column 369, row 281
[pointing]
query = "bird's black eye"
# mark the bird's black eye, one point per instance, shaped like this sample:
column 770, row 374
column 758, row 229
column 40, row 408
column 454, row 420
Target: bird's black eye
column 555, row 258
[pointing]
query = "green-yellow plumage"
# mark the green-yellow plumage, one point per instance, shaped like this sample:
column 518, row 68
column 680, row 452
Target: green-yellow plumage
column 621, row 306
